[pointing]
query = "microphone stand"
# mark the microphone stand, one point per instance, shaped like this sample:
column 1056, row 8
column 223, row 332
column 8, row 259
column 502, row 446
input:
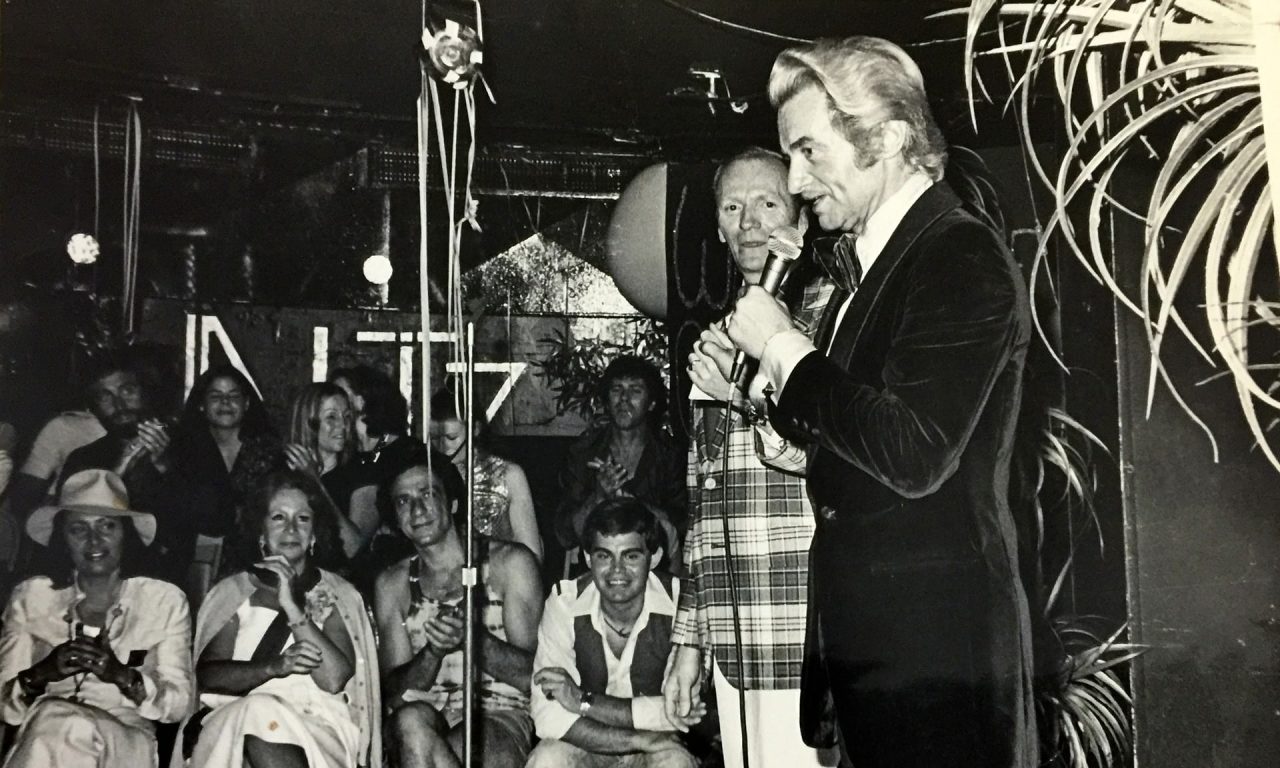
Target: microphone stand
column 469, row 569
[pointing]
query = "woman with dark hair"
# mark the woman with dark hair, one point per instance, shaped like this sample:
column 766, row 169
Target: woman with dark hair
column 225, row 443
column 358, row 381
column 382, row 443
column 92, row 654
column 503, row 502
column 286, row 661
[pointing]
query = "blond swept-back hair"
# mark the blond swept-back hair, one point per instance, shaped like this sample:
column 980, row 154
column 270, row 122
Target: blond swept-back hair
column 304, row 416
column 867, row 81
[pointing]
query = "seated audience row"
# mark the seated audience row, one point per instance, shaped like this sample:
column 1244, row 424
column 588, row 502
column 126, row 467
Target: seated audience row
column 284, row 670
column 194, row 476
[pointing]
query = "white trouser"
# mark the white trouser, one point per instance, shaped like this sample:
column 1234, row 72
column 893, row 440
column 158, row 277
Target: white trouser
column 773, row 725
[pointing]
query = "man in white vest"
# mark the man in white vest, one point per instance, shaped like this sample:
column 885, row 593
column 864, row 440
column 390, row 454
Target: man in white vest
column 603, row 644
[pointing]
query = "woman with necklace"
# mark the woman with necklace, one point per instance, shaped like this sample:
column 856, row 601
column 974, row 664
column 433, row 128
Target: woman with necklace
column 92, row 653
column 286, row 661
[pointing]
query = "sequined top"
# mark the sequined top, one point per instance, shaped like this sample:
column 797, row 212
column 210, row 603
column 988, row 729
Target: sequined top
column 492, row 497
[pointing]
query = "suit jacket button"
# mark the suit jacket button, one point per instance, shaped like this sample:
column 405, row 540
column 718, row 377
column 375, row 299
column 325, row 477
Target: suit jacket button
column 815, row 431
column 828, row 513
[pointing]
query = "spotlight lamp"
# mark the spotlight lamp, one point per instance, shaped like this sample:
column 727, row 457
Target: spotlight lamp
column 84, row 249
column 377, row 269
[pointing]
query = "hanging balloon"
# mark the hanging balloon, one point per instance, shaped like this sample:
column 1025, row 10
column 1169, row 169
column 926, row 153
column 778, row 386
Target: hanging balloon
column 454, row 52
column 637, row 242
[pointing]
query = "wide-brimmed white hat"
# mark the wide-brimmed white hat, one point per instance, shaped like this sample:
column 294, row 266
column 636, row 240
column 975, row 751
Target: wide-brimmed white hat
column 93, row 492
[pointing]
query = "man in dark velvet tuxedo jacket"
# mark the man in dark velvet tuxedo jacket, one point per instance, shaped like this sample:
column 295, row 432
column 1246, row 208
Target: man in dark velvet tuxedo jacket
column 918, row 649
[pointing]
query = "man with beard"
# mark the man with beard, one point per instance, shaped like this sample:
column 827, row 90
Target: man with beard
column 136, row 448
column 418, row 603
column 57, row 439
column 627, row 456
column 602, row 645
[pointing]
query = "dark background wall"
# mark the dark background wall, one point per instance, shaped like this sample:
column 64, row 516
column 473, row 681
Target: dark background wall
column 1202, row 550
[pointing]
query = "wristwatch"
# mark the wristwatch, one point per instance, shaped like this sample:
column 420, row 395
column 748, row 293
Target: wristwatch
column 588, row 698
column 136, row 686
column 28, row 684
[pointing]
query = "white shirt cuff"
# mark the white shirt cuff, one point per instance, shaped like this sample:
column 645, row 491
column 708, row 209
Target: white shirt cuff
column 149, row 707
column 781, row 355
column 647, row 714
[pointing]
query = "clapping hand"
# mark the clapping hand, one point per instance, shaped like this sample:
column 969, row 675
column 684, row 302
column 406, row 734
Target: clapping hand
column 286, row 578
column 611, row 475
column 302, row 459
column 153, row 437
column 298, row 659
column 444, row 631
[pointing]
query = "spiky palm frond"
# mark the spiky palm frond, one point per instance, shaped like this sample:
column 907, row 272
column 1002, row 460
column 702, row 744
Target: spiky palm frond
column 1090, row 705
column 1181, row 84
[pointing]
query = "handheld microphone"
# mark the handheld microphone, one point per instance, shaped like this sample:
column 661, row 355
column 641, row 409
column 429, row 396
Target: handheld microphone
column 784, row 248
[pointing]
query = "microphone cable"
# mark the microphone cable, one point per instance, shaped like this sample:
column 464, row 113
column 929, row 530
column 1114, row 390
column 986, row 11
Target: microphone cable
column 733, row 583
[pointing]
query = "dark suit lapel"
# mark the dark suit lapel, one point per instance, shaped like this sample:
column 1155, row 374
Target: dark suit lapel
column 936, row 201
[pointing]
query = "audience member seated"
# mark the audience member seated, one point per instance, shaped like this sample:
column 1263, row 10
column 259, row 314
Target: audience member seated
column 137, row 448
column 319, row 443
column 602, row 648
column 382, row 444
column 92, row 654
column 285, row 650
column 503, row 503
column 53, row 444
column 628, row 455
column 224, row 443
column 418, row 605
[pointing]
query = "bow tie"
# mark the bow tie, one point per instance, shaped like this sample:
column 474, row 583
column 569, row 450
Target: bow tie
column 837, row 258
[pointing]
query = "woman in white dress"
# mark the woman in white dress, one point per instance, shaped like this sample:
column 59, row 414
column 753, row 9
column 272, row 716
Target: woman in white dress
column 286, row 665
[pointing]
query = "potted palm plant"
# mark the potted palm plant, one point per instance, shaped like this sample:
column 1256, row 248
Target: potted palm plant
column 1181, row 85
column 1179, row 96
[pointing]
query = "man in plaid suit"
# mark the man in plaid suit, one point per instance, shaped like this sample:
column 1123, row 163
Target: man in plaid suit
column 770, row 520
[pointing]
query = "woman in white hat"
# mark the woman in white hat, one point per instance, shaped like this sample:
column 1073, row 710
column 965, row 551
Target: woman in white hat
column 92, row 654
